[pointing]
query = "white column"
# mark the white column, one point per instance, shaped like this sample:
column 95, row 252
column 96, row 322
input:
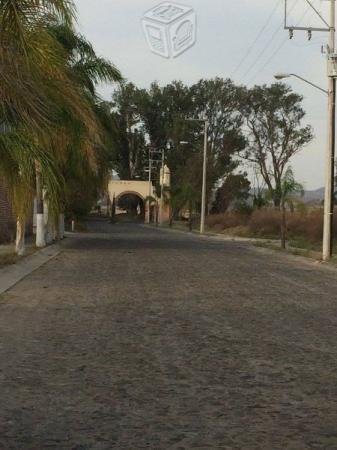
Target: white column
column 40, row 231
column 20, row 237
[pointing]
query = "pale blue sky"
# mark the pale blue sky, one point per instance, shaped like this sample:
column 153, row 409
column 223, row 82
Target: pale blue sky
column 226, row 30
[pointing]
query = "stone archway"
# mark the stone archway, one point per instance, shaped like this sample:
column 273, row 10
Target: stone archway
column 142, row 189
column 157, row 211
column 132, row 204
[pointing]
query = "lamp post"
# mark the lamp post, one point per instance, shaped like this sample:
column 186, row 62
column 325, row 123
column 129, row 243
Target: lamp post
column 281, row 76
column 152, row 162
column 204, row 174
column 150, row 189
column 330, row 158
column 329, row 27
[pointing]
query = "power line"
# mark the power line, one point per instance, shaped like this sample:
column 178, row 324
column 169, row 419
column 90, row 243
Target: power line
column 268, row 61
column 266, row 47
column 277, row 49
column 257, row 38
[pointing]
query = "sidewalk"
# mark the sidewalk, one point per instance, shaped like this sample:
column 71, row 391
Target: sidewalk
column 19, row 268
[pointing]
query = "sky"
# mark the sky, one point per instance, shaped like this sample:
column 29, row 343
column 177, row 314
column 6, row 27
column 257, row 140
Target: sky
column 241, row 39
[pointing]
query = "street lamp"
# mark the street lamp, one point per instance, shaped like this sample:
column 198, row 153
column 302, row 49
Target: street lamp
column 152, row 151
column 204, row 173
column 281, row 76
column 330, row 163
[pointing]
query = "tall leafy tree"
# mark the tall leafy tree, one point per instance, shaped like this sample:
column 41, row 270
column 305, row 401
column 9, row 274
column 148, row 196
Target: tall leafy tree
column 273, row 117
column 218, row 101
column 130, row 136
column 234, row 189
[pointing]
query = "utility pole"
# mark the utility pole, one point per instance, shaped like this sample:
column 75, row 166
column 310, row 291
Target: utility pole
column 204, row 182
column 204, row 174
column 152, row 163
column 150, row 188
column 162, row 179
column 330, row 27
column 330, row 154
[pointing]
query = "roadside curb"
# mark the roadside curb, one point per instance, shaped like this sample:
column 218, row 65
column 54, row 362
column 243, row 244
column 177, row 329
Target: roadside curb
column 13, row 274
column 206, row 235
column 253, row 243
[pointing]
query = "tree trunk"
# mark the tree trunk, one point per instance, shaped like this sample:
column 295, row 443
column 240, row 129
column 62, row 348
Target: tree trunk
column 171, row 219
column 50, row 230
column 277, row 203
column 40, row 226
column 113, row 210
column 283, row 226
column 190, row 218
column 55, row 226
column 61, row 226
column 20, row 236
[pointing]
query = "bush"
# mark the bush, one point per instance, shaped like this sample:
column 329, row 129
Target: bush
column 306, row 224
column 265, row 222
column 230, row 219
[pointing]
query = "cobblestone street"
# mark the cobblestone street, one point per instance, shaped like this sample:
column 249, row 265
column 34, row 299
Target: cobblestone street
column 136, row 338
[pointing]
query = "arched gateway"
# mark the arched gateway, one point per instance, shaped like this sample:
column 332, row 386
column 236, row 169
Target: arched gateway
column 142, row 189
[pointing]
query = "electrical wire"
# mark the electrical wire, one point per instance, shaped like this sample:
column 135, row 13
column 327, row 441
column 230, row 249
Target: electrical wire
column 262, row 30
column 277, row 50
column 266, row 47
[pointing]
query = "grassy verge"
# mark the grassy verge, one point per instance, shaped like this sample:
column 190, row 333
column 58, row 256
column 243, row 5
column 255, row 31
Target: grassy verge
column 8, row 259
column 296, row 245
column 297, row 251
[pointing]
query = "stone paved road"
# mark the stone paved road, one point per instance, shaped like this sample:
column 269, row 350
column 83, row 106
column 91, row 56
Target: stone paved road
column 138, row 338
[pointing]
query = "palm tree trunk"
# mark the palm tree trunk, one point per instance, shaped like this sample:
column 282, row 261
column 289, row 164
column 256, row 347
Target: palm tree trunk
column 50, row 231
column 283, row 226
column 40, row 226
column 20, row 236
column 61, row 226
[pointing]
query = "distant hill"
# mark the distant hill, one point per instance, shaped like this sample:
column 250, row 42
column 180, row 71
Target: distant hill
column 317, row 194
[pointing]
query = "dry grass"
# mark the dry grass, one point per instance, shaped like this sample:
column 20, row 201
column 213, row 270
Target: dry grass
column 304, row 227
column 230, row 219
column 265, row 223
column 8, row 259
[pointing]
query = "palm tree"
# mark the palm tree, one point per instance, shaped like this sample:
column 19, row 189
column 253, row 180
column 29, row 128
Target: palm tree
column 289, row 187
column 19, row 153
column 31, row 59
column 33, row 81
column 47, row 93
column 86, row 159
column 182, row 197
